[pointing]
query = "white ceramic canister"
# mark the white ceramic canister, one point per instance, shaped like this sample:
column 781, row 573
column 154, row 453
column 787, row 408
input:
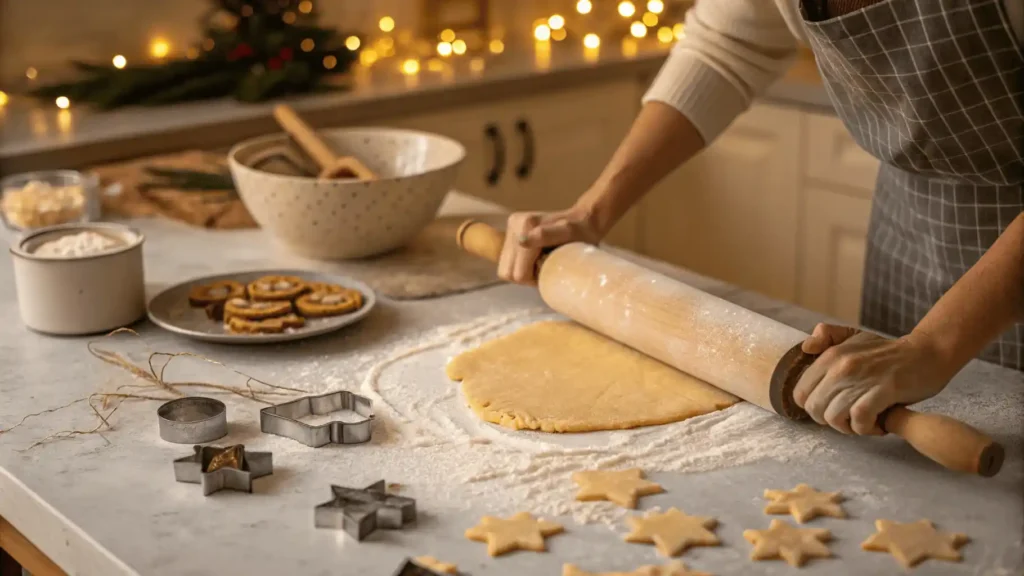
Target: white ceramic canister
column 85, row 294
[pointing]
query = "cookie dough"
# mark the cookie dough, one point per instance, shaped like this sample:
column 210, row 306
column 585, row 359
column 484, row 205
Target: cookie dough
column 619, row 486
column 276, row 288
column 913, row 542
column 804, row 503
column 792, row 544
column 215, row 293
column 248, row 310
column 318, row 304
column 431, row 563
column 558, row 376
column 265, row 326
column 670, row 569
column 673, row 532
column 520, row 532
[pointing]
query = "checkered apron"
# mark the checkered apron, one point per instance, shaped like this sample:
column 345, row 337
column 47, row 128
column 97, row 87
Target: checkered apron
column 934, row 89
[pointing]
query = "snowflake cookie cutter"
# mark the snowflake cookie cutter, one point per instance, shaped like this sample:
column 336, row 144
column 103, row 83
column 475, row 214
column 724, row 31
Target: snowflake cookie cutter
column 216, row 468
column 283, row 419
column 361, row 511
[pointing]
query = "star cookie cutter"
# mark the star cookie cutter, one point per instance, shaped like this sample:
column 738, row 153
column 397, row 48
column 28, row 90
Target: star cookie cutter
column 411, row 568
column 192, row 420
column 361, row 511
column 283, row 419
column 217, row 468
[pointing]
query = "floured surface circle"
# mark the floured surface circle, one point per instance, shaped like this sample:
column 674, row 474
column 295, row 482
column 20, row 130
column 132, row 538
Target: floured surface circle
column 558, row 376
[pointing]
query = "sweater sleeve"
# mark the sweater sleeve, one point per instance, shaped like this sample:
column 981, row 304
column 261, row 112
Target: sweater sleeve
column 732, row 52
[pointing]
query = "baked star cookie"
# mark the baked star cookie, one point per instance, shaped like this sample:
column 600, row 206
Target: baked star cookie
column 619, row 486
column 264, row 326
column 673, row 532
column 215, row 293
column 249, row 310
column 671, row 569
column 913, row 542
column 804, row 503
column 792, row 544
column 520, row 532
column 329, row 300
column 276, row 288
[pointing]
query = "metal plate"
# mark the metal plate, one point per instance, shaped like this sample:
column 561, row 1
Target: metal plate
column 170, row 310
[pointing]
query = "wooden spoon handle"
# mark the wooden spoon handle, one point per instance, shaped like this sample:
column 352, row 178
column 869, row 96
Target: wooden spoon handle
column 305, row 137
column 945, row 440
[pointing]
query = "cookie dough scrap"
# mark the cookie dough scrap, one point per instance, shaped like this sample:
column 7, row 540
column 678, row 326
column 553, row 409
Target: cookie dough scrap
column 792, row 544
column 673, row 532
column 914, row 542
column 804, row 503
column 520, row 532
column 622, row 487
column 558, row 376
column 431, row 563
column 671, row 569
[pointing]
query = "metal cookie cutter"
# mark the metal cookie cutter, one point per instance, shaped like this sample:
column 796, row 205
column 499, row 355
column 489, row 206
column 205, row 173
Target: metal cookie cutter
column 218, row 468
column 359, row 512
column 193, row 420
column 283, row 419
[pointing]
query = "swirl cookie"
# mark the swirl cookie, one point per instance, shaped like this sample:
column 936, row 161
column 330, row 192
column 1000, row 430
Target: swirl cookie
column 333, row 302
column 276, row 288
column 249, row 310
column 215, row 293
column 265, row 326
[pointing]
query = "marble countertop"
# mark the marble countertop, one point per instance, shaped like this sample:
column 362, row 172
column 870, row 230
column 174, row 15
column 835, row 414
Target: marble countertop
column 34, row 135
column 108, row 505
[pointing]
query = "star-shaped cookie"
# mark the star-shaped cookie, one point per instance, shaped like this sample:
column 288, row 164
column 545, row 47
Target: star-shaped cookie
column 520, row 532
column 431, row 563
column 672, row 531
column 622, row 487
column 804, row 503
column 913, row 542
column 670, row 569
column 792, row 544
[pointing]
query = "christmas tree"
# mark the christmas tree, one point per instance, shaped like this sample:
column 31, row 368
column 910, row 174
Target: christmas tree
column 253, row 50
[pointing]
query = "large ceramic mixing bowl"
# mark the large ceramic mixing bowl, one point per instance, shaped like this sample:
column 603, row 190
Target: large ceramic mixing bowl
column 347, row 218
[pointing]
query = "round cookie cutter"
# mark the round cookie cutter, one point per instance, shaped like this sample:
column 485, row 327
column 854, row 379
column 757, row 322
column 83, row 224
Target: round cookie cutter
column 193, row 420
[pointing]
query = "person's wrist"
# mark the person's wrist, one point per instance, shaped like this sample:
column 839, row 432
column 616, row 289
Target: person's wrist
column 592, row 208
column 940, row 363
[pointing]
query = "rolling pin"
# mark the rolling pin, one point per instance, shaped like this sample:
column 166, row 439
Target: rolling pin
column 330, row 164
column 741, row 352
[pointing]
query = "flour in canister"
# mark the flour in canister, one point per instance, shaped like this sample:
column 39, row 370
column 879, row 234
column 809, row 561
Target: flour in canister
column 78, row 245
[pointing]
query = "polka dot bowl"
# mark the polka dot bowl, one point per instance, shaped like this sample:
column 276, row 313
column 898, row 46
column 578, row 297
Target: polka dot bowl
column 346, row 219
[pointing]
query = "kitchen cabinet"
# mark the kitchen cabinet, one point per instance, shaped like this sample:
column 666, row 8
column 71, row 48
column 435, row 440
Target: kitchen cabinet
column 540, row 152
column 732, row 211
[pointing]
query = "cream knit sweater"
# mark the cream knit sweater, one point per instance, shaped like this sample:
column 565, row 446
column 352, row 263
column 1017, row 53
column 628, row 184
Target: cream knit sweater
column 734, row 50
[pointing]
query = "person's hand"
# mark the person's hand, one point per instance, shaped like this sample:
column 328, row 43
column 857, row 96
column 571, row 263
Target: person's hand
column 528, row 233
column 859, row 375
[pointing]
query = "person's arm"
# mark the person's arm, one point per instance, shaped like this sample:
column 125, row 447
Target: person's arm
column 859, row 374
column 733, row 50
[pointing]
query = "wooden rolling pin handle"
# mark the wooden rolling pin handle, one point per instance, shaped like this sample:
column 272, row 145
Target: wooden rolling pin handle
column 480, row 239
column 305, row 137
column 945, row 440
column 948, row 441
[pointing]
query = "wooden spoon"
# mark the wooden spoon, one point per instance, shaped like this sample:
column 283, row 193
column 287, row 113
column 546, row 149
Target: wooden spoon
column 330, row 164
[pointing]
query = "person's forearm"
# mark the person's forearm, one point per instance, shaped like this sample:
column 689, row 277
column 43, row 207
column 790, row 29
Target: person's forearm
column 984, row 303
column 660, row 140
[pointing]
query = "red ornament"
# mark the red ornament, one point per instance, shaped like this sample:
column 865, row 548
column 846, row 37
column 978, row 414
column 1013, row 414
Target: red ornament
column 240, row 51
column 287, row 54
column 275, row 63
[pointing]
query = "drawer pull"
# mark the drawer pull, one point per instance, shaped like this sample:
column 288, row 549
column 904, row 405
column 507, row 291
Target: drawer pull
column 526, row 165
column 498, row 166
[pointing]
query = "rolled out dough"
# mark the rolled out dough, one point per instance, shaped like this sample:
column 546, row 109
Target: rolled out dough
column 559, row 376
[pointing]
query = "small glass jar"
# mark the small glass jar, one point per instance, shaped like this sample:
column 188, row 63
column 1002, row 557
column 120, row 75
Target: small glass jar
column 47, row 198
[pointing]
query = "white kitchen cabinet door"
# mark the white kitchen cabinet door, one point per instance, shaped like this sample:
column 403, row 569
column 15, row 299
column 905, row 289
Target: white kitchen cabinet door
column 562, row 141
column 832, row 248
column 732, row 212
column 833, row 157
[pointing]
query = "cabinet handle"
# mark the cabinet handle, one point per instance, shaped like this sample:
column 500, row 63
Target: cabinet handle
column 494, row 135
column 526, row 165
